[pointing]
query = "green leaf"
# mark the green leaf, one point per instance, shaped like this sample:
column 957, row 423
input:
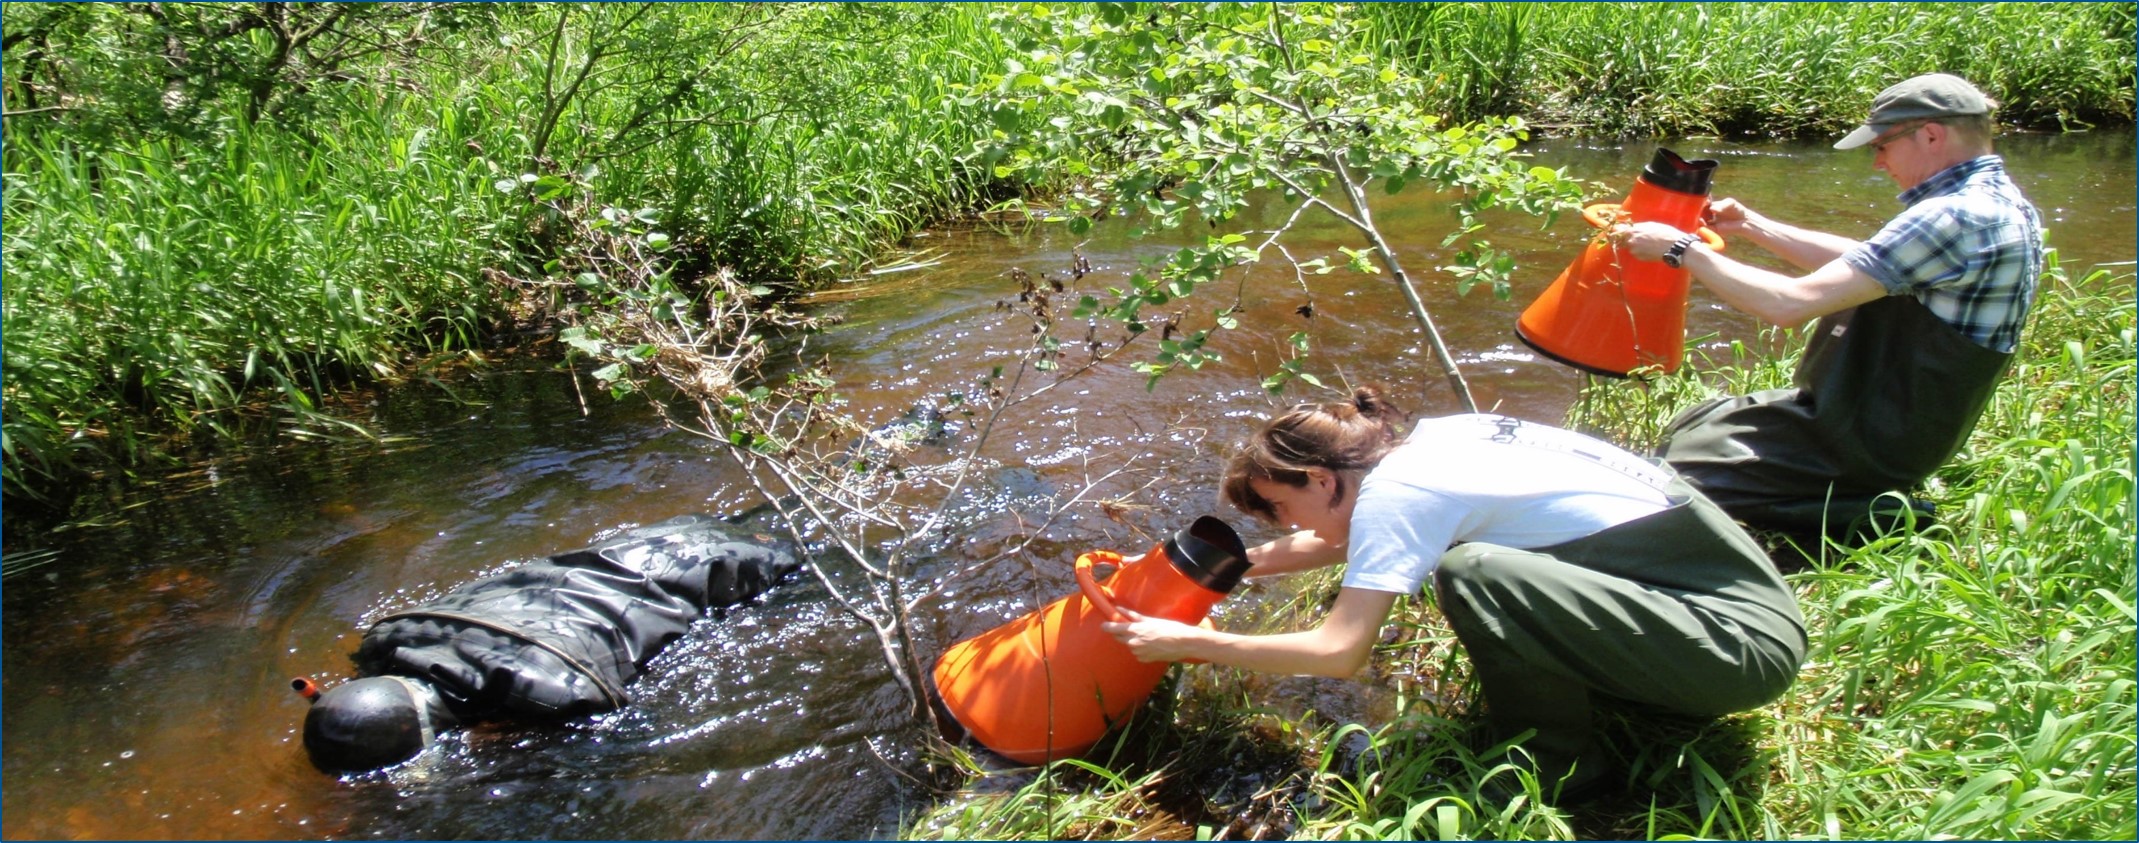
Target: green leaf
column 551, row 187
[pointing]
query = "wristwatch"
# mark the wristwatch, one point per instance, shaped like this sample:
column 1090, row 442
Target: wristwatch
column 1678, row 250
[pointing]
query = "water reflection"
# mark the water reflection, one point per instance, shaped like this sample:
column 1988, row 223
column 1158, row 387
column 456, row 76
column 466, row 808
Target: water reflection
column 146, row 670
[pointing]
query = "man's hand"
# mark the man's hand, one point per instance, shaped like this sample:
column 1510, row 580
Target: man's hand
column 1728, row 216
column 1646, row 240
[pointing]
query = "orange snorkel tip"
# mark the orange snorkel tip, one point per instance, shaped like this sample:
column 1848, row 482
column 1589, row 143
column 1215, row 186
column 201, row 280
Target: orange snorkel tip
column 305, row 687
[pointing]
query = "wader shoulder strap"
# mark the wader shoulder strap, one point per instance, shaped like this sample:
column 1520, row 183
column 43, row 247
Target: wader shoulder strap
column 616, row 697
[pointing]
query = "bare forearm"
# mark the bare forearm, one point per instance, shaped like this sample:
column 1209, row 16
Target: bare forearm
column 1339, row 647
column 1801, row 247
column 1309, row 653
column 1772, row 296
column 1777, row 298
column 1301, row 551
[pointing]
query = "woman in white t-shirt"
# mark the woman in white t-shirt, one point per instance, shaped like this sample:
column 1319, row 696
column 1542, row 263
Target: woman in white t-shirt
column 1567, row 566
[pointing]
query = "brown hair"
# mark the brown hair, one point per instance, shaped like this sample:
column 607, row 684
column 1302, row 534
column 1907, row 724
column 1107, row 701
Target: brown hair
column 1339, row 437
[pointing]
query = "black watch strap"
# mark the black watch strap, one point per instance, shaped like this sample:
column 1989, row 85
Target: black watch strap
column 1673, row 255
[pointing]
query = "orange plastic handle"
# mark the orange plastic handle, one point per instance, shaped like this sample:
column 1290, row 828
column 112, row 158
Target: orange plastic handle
column 1596, row 215
column 1104, row 602
column 1099, row 597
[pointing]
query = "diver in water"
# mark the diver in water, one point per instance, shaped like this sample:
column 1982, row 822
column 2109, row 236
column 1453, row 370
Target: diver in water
column 546, row 641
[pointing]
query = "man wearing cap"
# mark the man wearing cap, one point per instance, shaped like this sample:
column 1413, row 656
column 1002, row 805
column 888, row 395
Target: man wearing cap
column 1915, row 325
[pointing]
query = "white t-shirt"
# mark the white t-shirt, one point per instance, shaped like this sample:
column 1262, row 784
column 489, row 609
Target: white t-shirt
column 1489, row 478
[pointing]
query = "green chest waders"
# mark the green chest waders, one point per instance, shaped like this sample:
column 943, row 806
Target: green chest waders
column 1885, row 394
column 1679, row 611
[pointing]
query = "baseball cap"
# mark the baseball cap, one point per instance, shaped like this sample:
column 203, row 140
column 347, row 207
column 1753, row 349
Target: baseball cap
column 1917, row 98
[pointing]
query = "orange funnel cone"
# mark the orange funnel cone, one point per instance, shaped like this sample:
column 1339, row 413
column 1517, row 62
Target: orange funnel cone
column 1610, row 314
column 1049, row 685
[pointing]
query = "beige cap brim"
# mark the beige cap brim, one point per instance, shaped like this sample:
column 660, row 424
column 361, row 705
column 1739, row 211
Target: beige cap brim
column 1863, row 135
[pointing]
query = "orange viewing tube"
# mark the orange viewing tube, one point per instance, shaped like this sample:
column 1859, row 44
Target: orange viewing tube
column 1049, row 685
column 1608, row 313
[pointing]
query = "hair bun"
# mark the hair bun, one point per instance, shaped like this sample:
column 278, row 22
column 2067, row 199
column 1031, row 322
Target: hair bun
column 1368, row 400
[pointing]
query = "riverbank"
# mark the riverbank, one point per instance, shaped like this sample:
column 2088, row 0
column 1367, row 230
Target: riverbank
column 186, row 262
column 1970, row 680
column 217, row 255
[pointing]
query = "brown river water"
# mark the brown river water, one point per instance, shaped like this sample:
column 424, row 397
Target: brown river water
column 146, row 669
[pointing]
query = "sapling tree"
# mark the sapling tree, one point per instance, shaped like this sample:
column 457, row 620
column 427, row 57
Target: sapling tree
column 855, row 497
column 1158, row 114
column 1165, row 112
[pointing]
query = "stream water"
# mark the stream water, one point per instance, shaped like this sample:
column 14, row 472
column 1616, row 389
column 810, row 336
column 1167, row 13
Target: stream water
column 146, row 668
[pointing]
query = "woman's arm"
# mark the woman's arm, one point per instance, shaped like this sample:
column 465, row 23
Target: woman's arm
column 1301, row 551
column 1339, row 647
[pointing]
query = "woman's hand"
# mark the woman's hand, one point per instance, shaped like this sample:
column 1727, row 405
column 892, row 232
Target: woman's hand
column 1154, row 639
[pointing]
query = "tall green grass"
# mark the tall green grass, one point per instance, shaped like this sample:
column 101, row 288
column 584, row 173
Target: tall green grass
column 152, row 287
column 1759, row 68
column 1970, row 679
column 157, row 285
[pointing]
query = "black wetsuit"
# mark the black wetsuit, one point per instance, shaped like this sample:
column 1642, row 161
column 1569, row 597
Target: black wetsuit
column 563, row 637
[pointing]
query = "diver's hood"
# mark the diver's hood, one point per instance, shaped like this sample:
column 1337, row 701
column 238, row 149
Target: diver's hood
column 371, row 723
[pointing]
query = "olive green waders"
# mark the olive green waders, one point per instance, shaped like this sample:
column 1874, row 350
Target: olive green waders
column 1679, row 610
column 1886, row 392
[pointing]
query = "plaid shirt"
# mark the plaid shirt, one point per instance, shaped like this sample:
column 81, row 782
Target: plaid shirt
column 1969, row 248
